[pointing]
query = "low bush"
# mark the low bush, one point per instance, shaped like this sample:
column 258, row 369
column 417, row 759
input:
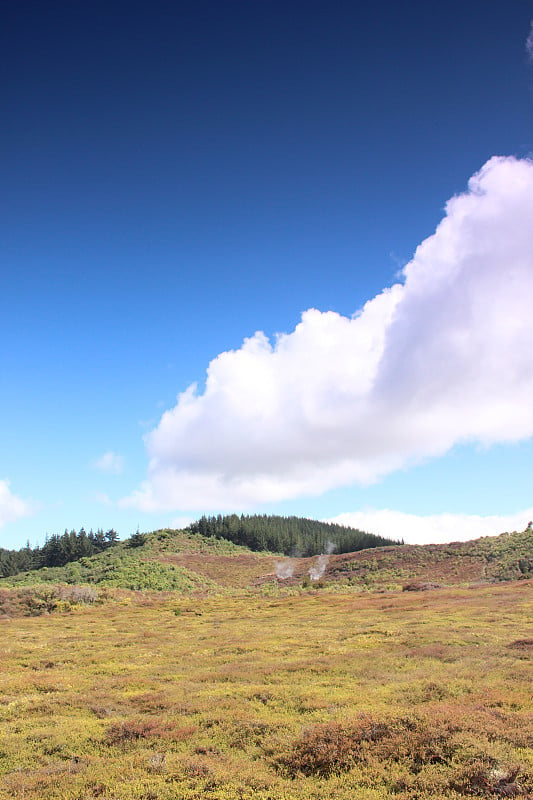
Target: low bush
column 134, row 729
column 332, row 748
column 34, row 601
column 459, row 749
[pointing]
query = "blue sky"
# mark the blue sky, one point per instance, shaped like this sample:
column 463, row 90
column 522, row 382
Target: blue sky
column 179, row 176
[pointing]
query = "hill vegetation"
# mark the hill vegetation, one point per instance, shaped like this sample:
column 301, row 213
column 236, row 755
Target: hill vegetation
column 132, row 564
column 257, row 533
column 56, row 551
column 185, row 561
column 292, row 536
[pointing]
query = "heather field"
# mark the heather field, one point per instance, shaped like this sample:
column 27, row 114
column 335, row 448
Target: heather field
column 318, row 694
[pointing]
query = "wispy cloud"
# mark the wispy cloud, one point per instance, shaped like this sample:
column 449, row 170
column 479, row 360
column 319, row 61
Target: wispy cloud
column 12, row 507
column 529, row 43
column 441, row 358
column 103, row 498
column 433, row 529
column 181, row 522
column 110, row 462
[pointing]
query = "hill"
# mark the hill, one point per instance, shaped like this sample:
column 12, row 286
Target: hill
column 188, row 561
column 288, row 535
column 101, row 558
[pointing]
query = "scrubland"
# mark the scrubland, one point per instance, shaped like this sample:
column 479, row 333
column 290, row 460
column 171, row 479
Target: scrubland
column 316, row 694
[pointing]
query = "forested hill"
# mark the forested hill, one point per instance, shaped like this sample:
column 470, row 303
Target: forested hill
column 289, row 535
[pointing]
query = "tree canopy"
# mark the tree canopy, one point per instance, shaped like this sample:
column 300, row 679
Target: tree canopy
column 288, row 535
column 57, row 551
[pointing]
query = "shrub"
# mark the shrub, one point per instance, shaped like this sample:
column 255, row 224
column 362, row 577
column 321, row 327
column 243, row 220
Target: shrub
column 332, row 748
column 123, row 733
column 249, row 733
column 420, row 586
column 34, row 601
column 129, row 731
column 78, row 594
column 484, row 777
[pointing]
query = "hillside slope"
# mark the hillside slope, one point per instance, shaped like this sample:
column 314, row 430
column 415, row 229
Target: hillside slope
column 183, row 561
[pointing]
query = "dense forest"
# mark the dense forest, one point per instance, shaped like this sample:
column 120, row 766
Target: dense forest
column 57, row 551
column 289, row 535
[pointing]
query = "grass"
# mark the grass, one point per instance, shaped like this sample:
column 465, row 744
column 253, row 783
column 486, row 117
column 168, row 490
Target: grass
column 318, row 694
column 140, row 568
column 186, row 562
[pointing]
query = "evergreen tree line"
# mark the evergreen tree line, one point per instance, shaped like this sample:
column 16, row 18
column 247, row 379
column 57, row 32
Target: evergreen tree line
column 289, row 535
column 57, row 551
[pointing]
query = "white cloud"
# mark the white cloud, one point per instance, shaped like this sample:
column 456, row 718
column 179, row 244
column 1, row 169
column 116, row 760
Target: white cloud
column 435, row 528
column 110, row 462
column 444, row 357
column 103, row 498
column 529, row 43
column 178, row 523
column 12, row 507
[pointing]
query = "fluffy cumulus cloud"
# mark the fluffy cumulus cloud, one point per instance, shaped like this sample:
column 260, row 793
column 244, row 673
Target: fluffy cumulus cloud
column 110, row 463
column 435, row 528
column 12, row 507
column 443, row 357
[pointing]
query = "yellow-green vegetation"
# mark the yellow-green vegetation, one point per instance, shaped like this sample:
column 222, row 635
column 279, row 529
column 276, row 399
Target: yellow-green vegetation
column 345, row 695
column 138, row 567
column 183, row 561
column 491, row 558
column 287, row 535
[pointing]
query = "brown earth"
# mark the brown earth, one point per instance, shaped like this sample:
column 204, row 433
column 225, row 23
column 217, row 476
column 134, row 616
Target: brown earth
column 408, row 566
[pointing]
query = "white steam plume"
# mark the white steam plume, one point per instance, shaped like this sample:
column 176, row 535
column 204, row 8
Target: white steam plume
column 319, row 569
column 285, row 569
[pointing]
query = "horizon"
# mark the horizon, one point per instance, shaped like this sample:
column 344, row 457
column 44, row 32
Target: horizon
column 271, row 259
